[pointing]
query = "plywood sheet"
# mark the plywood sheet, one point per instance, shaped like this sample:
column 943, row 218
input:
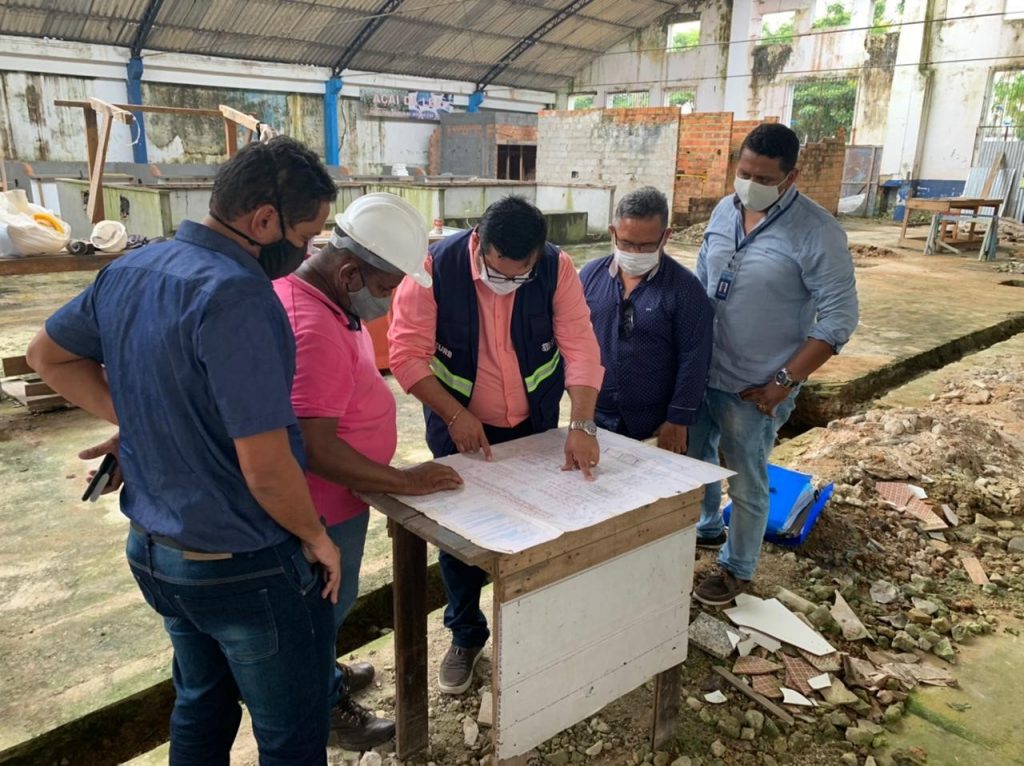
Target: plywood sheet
column 570, row 648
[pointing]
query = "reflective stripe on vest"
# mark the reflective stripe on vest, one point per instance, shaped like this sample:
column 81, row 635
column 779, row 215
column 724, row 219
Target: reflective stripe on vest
column 542, row 373
column 463, row 385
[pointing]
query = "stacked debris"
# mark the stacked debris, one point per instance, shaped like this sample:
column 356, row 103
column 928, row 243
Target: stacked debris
column 691, row 235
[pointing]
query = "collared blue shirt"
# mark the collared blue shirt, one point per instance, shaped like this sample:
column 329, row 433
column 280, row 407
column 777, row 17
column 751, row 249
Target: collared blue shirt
column 792, row 279
column 198, row 352
column 657, row 373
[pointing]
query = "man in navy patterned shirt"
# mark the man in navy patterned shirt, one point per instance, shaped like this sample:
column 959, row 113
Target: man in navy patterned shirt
column 653, row 322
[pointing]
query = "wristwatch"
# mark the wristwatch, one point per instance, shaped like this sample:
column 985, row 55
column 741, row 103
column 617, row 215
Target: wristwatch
column 784, row 379
column 589, row 427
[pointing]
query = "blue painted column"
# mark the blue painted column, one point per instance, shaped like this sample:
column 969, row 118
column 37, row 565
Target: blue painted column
column 332, row 144
column 475, row 100
column 140, row 152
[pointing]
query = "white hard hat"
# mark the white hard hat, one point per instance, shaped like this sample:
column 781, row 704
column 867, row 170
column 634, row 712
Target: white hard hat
column 109, row 236
column 389, row 228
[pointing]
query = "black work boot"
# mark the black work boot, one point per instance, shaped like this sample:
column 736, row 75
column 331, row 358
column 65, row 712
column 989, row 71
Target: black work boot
column 357, row 675
column 356, row 728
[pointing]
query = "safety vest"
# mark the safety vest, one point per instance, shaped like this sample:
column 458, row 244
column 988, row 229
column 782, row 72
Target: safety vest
column 458, row 331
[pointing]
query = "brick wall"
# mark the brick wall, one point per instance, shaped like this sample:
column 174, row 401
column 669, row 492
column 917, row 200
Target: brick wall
column 434, row 153
column 821, row 172
column 702, row 159
column 629, row 148
column 516, row 134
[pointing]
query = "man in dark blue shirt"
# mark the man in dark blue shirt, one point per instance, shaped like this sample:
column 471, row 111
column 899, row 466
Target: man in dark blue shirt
column 654, row 325
column 184, row 345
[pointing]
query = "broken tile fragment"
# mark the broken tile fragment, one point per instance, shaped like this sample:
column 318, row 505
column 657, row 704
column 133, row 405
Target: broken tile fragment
column 711, row 635
column 752, row 666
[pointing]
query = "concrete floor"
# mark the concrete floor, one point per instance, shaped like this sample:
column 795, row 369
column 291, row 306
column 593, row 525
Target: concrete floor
column 74, row 632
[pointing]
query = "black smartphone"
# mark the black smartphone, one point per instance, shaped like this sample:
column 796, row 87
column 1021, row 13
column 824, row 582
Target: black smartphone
column 101, row 479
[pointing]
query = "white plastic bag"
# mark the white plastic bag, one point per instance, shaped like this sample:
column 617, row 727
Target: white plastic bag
column 31, row 229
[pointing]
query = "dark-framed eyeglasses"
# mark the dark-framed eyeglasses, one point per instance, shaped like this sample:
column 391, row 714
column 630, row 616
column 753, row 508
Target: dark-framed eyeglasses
column 645, row 248
column 626, row 314
column 498, row 277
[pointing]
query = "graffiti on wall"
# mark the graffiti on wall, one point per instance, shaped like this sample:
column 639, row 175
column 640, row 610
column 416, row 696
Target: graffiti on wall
column 417, row 104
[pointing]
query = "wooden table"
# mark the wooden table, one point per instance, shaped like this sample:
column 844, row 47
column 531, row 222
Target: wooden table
column 51, row 264
column 945, row 212
column 577, row 622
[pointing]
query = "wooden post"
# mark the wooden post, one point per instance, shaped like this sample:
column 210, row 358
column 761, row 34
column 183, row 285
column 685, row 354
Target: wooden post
column 95, row 210
column 92, row 136
column 409, row 554
column 230, row 138
column 667, row 687
column 3, row 170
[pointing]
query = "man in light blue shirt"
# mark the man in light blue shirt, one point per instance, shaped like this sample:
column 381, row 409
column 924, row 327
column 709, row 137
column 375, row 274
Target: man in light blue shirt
column 778, row 271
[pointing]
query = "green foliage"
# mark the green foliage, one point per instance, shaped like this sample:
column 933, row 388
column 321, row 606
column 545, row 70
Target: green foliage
column 583, row 102
column 879, row 24
column 780, row 35
column 836, row 15
column 629, row 100
column 821, row 107
column 682, row 98
column 687, row 38
column 1008, row 92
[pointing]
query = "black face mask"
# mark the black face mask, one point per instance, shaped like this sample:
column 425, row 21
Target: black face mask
column 278, row 259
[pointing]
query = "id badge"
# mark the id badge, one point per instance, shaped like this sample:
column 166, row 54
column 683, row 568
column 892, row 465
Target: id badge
column 724, row 284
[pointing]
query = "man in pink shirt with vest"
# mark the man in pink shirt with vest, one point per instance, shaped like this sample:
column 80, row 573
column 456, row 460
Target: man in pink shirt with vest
column 346, row 410
column 489, row 348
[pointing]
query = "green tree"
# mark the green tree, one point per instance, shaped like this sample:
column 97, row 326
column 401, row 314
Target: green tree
column 836, row 15
column 780, row 35
column 686, row 38
column 822, row 107
column 1008, row 92
column 682, row 98
column 583, row 102
column 628, row 100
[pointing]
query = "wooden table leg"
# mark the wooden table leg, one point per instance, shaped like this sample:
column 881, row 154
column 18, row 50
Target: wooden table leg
column 409, row 554
column 667, row 688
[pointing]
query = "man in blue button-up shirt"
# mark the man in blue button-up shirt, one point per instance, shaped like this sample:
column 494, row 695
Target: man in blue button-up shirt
column 653, row 323
column 777, row 268
column 184, row 345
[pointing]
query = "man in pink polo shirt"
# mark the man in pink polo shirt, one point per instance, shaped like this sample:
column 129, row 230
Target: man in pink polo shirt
column 489, row 349
column 345, row 408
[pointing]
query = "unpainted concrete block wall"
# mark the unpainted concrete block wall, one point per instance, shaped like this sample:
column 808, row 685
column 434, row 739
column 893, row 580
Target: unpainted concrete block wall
column 628, row 148
column 467, row 143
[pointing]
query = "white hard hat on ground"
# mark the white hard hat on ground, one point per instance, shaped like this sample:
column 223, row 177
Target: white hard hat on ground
column 109, row 236
column 385, row 228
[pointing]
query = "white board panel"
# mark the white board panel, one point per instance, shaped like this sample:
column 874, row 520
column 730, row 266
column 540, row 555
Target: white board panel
column 569, row 649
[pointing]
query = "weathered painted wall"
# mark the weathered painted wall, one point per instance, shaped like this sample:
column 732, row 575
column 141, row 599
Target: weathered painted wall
column 32, row 128
column 35, row 72
column 177, row 138
column 626, row 148
column 642, row 62
column 921, row 92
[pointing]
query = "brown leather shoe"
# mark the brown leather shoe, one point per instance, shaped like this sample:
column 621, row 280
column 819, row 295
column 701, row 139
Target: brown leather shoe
column 357, row 675
column 720, row 588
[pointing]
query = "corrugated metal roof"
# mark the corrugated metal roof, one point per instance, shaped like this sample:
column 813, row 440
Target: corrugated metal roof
column 451, row 39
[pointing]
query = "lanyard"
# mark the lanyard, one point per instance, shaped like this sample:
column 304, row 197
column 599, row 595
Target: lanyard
column 742, row 240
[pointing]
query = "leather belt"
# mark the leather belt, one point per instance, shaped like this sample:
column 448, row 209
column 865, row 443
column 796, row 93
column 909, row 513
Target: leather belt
column 186, row 554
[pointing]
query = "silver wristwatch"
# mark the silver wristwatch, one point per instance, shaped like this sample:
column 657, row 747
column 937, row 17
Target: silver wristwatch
column 784, row 379
column 589, row 427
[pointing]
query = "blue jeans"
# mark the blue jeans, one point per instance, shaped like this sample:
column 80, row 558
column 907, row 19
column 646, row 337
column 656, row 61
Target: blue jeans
column 350, row 537
column 745, row 437
column 253, row 626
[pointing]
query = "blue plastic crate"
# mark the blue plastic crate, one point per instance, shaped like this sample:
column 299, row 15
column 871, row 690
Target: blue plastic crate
column 786, row 488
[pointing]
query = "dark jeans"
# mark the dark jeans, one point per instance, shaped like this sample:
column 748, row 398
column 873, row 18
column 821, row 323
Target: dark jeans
column 253, row 626
column 463, row 582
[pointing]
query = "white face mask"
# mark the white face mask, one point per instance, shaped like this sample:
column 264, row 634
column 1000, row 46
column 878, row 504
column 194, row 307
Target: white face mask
column 499, row 287
column 755, row 196
column 636, row 264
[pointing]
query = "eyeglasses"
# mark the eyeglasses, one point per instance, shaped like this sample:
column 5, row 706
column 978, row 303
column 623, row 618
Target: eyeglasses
column 497, row 276
column 626, row 318
column 645, row 248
